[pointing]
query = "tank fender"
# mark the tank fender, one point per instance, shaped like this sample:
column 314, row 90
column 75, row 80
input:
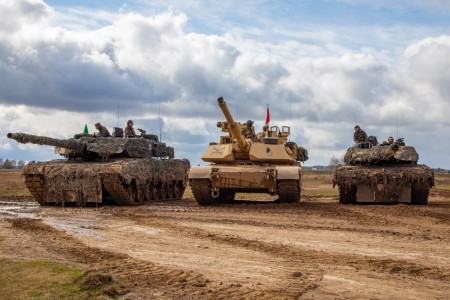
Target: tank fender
column 200, row 172
column 290, row 172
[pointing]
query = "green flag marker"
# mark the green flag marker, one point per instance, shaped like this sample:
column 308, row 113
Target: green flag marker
column 85, row 131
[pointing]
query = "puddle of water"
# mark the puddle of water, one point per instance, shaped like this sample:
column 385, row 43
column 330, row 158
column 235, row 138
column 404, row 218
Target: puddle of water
column 79, row 227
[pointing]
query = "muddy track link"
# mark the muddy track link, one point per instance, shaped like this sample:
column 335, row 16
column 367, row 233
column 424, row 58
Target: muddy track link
column 288, row 191
column 35, row 185
column 347, row 195
column 419, row 194
column 120, row 194
column 202, row 194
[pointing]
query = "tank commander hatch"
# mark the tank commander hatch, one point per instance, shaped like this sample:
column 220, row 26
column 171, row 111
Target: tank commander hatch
column 129, row 130
column 102, row 130
column 359, row 135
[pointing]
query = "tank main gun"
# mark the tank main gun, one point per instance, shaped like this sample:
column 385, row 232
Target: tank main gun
column 72, row 144
column 234, row 127
column 95, row 148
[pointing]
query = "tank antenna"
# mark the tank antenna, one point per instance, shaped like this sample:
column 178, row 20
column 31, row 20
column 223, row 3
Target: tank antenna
column 159, row 113
column 397, row 126
column 118, row 112
column 290, row 110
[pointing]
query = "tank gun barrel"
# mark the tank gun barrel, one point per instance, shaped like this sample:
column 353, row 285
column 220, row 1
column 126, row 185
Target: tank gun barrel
column 24, row 138
column 234, row 127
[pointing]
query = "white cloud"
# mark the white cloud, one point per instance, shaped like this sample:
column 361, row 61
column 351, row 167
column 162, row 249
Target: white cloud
column 54, row 78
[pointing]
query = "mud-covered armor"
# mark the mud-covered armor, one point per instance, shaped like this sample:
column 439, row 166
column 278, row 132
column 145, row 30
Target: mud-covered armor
column 124, row 171
column 385, row 173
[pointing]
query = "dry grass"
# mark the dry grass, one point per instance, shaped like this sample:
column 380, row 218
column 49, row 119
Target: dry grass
column 12, row 183
column 38, row 280
column 318, row 184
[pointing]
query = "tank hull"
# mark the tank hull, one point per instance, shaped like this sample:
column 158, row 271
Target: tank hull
column 218, row 183
column 384, row 184
column 126, row 181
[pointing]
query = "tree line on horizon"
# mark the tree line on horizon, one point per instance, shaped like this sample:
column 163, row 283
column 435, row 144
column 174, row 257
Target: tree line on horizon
column 12, row 164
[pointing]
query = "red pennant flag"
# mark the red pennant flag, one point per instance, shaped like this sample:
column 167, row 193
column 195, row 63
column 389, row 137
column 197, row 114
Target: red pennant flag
column 268, row 116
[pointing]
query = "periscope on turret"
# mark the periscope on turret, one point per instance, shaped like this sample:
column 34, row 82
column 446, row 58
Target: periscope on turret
column 123, row 171
column 266, row 164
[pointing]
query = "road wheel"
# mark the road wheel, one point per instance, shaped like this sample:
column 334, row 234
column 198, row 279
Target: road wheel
column 131, row 191
column 171, row 190
column 163, row 190
column 178, row 190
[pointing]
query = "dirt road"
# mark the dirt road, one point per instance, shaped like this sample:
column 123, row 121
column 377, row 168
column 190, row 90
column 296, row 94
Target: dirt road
column 317, row 249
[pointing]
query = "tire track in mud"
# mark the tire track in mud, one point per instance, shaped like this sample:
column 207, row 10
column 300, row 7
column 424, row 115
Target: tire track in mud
column 147, row 278
column 311, row 259
column 285, row 225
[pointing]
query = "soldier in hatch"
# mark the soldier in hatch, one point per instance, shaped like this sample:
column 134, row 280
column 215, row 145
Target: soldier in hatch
column 359, row 135
column 390, row 141
column 129, row 130
column 102, row 130
column 249, row 132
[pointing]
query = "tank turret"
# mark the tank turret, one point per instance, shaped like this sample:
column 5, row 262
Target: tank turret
column 243, row 161
column 124, row 171
column 94, row 148
column 368, row 154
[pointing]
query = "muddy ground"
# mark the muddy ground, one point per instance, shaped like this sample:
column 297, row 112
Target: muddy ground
column 317, row 249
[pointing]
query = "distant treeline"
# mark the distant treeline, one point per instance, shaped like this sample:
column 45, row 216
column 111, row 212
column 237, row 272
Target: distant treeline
column 12, row 164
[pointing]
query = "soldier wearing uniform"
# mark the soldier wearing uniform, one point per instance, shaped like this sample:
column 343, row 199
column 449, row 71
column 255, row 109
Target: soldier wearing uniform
column 249, row 132
column 359, row 135
column 390, row 141
column 129, row 130
column 102, row 130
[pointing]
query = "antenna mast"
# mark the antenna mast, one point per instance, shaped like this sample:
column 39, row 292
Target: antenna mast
column 159, row 113
column 117, row 113
column 397, row 126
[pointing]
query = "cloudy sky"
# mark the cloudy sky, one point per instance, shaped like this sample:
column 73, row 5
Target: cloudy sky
column 322, row 66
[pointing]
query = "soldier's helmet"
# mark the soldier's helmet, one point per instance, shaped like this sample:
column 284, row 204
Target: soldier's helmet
column 129, row 121
column 249, row 123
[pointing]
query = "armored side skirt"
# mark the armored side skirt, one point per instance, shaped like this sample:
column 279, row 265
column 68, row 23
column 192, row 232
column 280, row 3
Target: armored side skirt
column 122, row 181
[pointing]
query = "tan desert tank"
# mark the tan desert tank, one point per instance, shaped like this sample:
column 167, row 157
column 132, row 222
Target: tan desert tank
column 265, row 163
column 122, row 171
column 383, row 173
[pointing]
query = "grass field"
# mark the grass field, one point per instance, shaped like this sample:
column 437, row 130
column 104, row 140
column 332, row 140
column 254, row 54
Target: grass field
column 12, row 184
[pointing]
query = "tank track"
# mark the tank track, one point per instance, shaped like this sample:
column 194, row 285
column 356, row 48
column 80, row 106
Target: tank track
column 202, row 194
column 121, row 194
column 288, row 191
column 347, row 196
column 35, row 185
column 419, row 194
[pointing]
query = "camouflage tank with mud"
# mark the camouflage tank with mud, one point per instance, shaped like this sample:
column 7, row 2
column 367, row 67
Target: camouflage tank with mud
column 263, row 163
column 383, row 173
column 122, row 171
